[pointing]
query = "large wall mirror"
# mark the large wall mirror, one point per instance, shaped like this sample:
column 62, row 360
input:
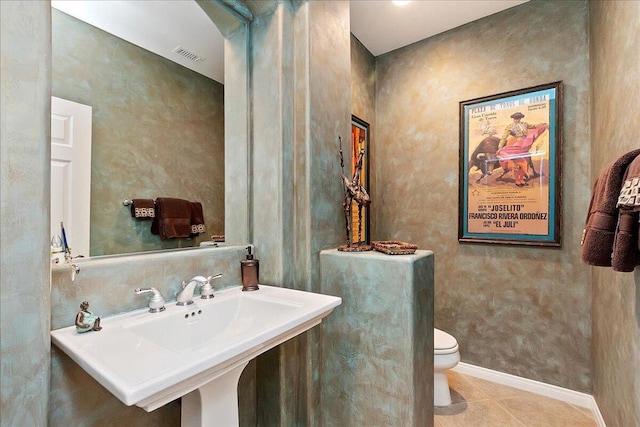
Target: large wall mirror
column 157, row 126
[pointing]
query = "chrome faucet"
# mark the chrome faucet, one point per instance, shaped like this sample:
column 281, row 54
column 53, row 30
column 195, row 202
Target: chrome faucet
column 185, row 297
column 206, row 289
column 156, row 302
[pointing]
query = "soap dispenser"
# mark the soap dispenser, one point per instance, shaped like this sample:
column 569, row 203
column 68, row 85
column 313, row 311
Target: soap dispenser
column 249, row 269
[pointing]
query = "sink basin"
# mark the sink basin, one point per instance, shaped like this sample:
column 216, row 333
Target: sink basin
column 214, row 326
column 197, row 351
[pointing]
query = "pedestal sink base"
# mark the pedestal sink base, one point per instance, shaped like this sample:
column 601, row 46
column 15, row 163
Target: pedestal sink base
column 215, row 403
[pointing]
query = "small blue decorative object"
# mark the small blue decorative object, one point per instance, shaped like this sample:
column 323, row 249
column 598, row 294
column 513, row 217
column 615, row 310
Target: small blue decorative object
column 85, row 320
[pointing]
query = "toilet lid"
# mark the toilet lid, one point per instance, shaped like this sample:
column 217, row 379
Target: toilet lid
column 443, row 341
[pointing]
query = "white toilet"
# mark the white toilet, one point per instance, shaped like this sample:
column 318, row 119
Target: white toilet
column 445, row 356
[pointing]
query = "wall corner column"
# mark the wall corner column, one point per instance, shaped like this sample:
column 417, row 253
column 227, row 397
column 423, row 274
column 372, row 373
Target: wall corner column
column 25, row 165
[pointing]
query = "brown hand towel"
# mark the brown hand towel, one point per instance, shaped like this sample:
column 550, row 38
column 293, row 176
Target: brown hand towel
column 143, row 208
column 630, row 191
column 173, row 218
column 197, row 219
column 602, row 218
column 626, row 247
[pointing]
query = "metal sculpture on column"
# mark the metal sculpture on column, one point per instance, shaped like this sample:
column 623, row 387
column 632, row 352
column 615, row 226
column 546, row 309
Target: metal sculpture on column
column 354, row 192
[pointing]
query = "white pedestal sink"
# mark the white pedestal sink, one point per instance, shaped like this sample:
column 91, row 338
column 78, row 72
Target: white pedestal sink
column 196, row 351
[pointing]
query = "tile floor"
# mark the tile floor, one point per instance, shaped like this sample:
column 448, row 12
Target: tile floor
column 479, row 403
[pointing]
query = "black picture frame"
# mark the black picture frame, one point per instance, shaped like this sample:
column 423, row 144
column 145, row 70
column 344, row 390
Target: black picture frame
column 511, row 167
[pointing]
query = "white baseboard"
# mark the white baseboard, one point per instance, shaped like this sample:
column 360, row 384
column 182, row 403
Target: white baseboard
column 583, row 400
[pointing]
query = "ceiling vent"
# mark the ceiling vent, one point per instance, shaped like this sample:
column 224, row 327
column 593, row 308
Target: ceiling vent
column 189, row 55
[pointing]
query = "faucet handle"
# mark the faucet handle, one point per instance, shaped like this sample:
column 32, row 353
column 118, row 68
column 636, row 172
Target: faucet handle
column 156, row 302
column 206, row 288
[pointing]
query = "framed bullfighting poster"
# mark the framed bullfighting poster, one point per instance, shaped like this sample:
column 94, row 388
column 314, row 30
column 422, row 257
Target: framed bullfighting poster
column 510, row 168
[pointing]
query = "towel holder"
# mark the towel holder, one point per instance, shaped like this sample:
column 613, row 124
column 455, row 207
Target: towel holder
column 127, row 202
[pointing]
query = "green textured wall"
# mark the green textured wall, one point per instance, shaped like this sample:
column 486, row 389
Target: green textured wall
column 520, row 310
column 301, row 102
column 25, row 129
column 158, row 131
column 363, row 82
column 615, row 78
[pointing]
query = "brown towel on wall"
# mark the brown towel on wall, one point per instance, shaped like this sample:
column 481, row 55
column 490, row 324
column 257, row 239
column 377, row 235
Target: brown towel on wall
column 197, row 219
column 602, row 219
column 173, row 218
column 626, row 247
column 143, row 208
column 630, row 192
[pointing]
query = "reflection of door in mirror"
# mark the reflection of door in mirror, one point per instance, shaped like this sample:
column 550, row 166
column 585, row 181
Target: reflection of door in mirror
column 71, row 172
column 360, row 215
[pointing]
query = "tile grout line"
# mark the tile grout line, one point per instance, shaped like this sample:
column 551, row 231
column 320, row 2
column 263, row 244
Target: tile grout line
column 469, row 382
column 510, row 413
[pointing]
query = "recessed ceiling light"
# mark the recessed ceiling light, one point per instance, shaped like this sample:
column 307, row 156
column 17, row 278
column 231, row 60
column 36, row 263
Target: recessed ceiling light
column 401, row 2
